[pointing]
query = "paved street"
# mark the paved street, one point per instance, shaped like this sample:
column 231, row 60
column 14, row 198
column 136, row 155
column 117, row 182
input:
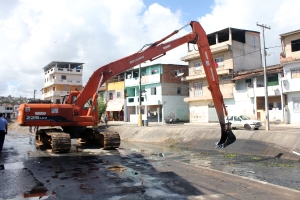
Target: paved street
column 137, row 171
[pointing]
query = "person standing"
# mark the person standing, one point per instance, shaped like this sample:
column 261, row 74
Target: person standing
column 3, row 130
column 106, row 120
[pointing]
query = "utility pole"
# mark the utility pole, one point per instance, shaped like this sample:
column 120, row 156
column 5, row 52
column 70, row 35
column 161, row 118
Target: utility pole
column 34, row 91
column 265, row 77
column 140, row 99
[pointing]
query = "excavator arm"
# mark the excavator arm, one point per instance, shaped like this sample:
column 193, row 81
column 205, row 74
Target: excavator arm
column 158, row 49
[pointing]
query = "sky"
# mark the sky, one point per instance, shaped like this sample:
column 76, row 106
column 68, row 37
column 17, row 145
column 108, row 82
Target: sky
column 34, row 33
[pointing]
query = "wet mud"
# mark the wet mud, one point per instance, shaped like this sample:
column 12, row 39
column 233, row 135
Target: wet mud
column 134, row 171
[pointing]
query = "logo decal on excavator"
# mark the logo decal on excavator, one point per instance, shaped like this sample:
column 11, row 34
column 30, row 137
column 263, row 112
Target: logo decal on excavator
column 36, row 117
column 168, row 46
column 212, row 74
column 137, row 59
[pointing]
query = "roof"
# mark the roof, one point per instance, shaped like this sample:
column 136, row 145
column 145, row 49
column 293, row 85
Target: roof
column 62, row 65
column 290, row 33
column 223, row 35
column 274, row 69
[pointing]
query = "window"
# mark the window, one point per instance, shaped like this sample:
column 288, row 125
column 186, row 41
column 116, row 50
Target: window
column 118, row 94
column 130, row 100
column 295, row 45
column 227, row 78
column 248, row 82
column 153, row 91
column 295, row 73
column 179, row 90
column 273, row 80
column 253, row 41
column 142, row 98
column 63, row 77
column 154, row 71
column 53, row 77
column 197, row 65
column 219, row 61
column 296, row 104
column 177, row 72
column 198, row 89
column 111, row 96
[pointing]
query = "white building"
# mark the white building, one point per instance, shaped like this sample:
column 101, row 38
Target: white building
column 290, row 61
column 61, row 78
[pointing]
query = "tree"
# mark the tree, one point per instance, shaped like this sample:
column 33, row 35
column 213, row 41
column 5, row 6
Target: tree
column 101, row 105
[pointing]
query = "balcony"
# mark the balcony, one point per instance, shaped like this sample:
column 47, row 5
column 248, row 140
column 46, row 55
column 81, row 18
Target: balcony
column 258, row 92
column 146, row 100
column 216, row 48
column 63, row 70
column 148, row 79
column 63, row 82
column 55, row 93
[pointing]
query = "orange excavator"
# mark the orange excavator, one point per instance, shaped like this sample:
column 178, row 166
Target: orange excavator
column 76, row 120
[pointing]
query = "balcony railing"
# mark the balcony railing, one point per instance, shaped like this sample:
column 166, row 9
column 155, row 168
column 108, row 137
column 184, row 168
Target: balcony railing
column 64, row 82
column 55, row 93
column 148, row 79
column 258, row 92
column 63, row 70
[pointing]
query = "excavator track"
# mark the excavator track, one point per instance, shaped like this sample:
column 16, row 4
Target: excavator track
column 53, row 139
column 107, row 140
column 111, row 140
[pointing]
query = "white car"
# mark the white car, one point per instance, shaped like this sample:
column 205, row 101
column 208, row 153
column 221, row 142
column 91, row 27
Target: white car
column 242, row 121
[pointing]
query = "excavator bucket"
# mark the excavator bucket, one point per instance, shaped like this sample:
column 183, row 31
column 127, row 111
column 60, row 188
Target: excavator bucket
column 227, row 138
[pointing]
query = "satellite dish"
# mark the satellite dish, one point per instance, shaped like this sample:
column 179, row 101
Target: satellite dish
column 180, row 74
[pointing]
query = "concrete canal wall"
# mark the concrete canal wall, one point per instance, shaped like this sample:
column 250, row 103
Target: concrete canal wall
column 283, row 143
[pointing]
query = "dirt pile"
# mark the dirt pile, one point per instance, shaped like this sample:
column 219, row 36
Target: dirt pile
column 13, row 126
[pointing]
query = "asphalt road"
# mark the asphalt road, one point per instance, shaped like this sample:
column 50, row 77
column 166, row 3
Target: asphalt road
column 134, row 171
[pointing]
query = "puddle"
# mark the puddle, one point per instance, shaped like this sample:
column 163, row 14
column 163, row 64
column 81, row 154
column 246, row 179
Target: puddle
column 38, row 192
column 117, row 168
column 16, row 165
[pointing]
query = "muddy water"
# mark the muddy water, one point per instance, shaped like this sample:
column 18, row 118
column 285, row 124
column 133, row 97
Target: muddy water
column 273, row 170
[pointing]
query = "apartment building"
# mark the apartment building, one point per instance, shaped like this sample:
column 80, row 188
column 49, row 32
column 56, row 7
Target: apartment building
column 290, row 61
column 234, row 50
column 162, row 93
column 60, row 78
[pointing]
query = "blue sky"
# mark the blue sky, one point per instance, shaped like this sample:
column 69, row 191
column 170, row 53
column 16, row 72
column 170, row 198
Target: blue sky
column 36, row 32
column 190, row 9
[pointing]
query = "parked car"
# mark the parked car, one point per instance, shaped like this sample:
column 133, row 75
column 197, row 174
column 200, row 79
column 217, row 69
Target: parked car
column 242, row 121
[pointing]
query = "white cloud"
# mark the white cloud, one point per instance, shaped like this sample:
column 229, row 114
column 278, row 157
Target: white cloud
column 33, row 32
column 281, row 16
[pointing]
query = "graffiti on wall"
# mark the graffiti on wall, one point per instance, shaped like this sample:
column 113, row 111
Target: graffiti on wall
column 198, row 114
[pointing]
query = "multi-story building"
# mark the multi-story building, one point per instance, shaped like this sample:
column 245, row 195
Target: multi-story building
column 114, row 96
column 7, row 110
column 234, row 50
column 249, row 94
column 162, row 93
column 60, row 78
column 290, row 61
